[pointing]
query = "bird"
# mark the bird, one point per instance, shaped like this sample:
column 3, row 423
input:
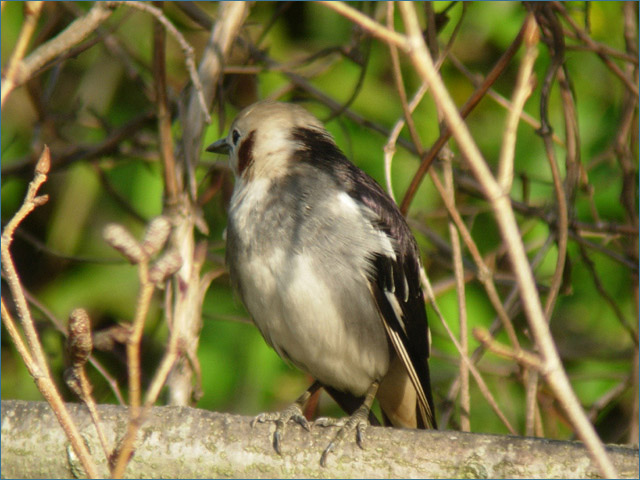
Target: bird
column 328, row 270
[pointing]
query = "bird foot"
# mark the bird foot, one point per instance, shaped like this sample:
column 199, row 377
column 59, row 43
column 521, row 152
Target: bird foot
column 293, row 413
column 359, row 422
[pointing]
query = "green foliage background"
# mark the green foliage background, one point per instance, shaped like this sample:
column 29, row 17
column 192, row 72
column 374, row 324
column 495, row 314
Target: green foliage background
column 95, row 92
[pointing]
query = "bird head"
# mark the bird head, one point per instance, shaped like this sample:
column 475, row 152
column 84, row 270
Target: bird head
column 261, row 139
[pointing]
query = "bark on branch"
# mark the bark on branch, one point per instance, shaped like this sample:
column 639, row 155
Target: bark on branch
column 183, row 442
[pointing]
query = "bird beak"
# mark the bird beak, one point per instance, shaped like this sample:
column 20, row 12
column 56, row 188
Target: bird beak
column 221, row 146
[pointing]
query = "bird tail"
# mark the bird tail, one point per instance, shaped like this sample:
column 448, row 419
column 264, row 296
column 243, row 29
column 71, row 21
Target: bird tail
column 399, row 400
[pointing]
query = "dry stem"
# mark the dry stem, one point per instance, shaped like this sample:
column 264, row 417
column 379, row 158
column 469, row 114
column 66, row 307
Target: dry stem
column 32, row 352
column 32, row 12
column 552, row 367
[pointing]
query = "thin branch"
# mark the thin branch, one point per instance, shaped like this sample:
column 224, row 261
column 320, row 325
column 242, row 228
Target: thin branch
column 231, row 16
column 186, row 312
column 18, row 341
column 31, row 14
column 552, row 29
column 465, row 399
column 587, row 39
column 469, row 364
column 35, row 360
column 164, row 115
column 499, row 200
column 113, row 383
column 522, row 91
column 187, row 49
column 78, row 349
column 80, row 152
column 135, row 337
column 470, row 104
column 522, row 356
column 397, row 77
column 531, row 404
column 608, row 397
column 30, row 202
column 477, row 79
column 140, row 253
column 388, row 35
column 72, row 35
column 509, row 306
column 484, row 274
column 633, row 332
column 390, row 146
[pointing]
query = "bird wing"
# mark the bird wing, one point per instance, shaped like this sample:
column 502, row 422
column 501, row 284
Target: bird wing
column 394, row 281
column 395, row 286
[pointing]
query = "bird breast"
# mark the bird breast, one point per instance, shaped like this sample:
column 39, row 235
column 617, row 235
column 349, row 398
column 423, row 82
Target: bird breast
column 298, row 253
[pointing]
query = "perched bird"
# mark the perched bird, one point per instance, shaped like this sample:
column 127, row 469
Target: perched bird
column 327, row 268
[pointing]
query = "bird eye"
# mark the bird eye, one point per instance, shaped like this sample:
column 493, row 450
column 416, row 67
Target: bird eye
column 235, row 136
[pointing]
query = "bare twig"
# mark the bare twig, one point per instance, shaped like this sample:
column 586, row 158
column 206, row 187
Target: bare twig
column 509, row 306
column 140, row 253
column 72, row 35
column 469, row 364
column 184, row 45
column 31, row 14
column 231, row 15
column 550, row 24
column 127, row 444
column 186, row 312
column 133, row 342
column 476, row 80
column 397, row 77
column 478, row 94
column 552, row 367
column 587, row 39
column 32, row 352
column 531, row 404
column 608, row 397
column 79, row 346
column 390, row 146
column 113, row 383
column 465, row 399
column 586, row 259
column 485, row 274
column 522, row 91
column 522, row 356
column 407, row 108
column 373, row 27
column 164, row 115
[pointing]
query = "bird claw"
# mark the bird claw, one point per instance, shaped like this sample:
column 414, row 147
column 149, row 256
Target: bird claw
column 292, row 413
column 329, row 422
column 359, row 422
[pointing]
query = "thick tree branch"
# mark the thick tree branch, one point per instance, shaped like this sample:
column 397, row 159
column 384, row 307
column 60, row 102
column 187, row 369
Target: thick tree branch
column 190, row 443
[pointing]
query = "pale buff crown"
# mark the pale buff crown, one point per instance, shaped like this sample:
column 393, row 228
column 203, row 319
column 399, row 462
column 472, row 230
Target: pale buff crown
column 267, row 125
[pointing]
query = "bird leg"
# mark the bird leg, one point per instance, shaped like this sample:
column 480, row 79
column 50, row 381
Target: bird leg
column 358, row 421
column 292, row 413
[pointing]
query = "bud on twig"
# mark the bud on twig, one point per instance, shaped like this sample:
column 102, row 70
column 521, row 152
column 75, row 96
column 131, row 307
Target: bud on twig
column 72, row 379
column 166, row 266
column 79, row 342
column 44, row 162
column 107, row 339
column 119, row 238
column 40, row 200
column 156, row 235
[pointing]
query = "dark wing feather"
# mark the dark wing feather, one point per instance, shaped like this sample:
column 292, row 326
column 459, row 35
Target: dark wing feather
column 394, row 283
